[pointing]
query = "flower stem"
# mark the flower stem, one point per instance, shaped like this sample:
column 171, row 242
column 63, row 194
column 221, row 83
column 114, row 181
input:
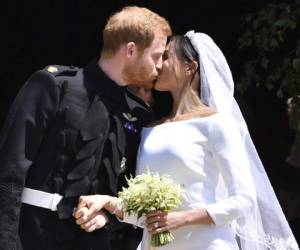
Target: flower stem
column 161, row 239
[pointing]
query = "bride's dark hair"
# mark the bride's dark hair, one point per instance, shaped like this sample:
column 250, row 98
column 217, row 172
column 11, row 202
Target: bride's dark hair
column 184, row 49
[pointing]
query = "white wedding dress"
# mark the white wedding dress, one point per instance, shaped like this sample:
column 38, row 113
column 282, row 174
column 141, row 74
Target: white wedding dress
column 202, row 155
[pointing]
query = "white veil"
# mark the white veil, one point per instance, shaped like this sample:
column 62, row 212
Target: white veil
column 266, row 226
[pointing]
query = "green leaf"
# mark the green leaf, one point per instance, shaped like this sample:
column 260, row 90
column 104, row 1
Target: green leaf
column 280, row 23
column 296, row 64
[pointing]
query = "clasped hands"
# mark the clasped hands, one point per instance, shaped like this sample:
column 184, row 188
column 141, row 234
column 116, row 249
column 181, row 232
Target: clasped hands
column 90, row 215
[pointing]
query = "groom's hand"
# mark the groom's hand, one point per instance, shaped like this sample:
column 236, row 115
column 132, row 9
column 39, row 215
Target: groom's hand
column 88, row 206
column 96, row 221
column 88, row 214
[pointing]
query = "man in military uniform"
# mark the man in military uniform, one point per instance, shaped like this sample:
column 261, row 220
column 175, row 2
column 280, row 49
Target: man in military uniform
column 73, row 132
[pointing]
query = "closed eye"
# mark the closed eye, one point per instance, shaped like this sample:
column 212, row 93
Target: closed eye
column 165, row 55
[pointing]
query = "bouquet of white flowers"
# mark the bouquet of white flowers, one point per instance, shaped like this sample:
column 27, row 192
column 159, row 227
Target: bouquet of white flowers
column 147, row 193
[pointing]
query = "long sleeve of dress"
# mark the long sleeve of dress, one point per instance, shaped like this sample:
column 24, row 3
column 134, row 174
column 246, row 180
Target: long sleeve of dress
column 134, row 220
column 23, row 131
column 228, row 151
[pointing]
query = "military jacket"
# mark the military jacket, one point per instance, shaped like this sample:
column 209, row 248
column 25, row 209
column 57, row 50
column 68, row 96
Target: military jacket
column 69, row 131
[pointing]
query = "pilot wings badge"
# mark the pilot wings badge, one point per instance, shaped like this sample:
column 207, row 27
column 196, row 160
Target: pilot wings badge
column 129, row 123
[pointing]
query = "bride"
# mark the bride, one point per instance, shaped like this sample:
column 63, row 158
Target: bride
column 205, row 146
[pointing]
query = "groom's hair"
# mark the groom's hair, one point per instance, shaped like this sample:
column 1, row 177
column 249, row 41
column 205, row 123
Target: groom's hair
column 132, row 24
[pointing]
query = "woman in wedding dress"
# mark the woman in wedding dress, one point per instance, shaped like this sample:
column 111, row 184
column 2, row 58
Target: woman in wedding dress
column 204, row 145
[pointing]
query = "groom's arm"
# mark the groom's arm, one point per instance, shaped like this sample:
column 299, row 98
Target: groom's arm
column 34, row 107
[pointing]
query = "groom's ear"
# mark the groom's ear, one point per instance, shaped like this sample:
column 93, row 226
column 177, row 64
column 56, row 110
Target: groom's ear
column 130, row 49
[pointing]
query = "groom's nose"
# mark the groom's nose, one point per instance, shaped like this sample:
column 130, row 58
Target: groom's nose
column 159, row 65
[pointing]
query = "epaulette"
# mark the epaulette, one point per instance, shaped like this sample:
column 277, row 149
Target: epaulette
column 61, row 70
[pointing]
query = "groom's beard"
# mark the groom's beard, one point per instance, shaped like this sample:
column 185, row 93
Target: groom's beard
column 138, row 76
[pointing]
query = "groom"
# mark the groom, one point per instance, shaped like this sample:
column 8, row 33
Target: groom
column 73, row 132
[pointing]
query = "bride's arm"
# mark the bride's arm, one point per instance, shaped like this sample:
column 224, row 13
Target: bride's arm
column 229, row 153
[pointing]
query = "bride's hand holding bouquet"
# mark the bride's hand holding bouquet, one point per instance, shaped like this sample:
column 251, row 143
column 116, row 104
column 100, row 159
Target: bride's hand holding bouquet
column 148, row 195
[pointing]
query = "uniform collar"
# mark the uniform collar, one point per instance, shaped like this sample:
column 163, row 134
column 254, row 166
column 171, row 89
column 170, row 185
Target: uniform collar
column 103, row 84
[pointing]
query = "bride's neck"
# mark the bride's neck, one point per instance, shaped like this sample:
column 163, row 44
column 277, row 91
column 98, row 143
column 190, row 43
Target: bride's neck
column 187, row 103
column 184, row 102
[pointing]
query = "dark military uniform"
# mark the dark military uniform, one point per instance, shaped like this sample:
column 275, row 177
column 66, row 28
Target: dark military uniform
column 73, row 132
